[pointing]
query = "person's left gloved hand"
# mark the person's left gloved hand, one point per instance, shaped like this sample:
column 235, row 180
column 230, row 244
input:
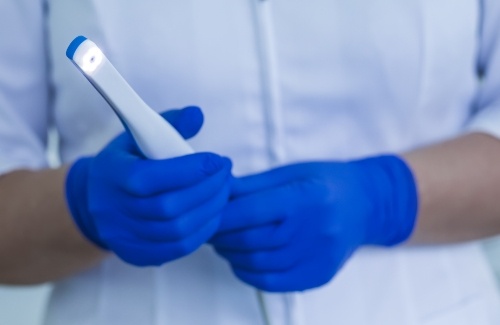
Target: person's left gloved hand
column 292, row 228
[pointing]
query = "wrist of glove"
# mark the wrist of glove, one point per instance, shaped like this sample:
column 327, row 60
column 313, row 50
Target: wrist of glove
column 294, row 227
column 77, row 199
column 390, row 188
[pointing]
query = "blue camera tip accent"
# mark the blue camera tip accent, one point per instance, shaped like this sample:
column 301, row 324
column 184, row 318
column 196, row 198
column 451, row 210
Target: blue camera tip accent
column 70, row 52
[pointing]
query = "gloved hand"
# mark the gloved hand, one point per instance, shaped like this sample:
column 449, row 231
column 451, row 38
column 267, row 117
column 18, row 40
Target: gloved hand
column 149, row 212
column 292, row 228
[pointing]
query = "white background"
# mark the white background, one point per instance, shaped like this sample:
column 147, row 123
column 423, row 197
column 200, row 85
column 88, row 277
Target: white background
column 26, row 305
column 23, row 306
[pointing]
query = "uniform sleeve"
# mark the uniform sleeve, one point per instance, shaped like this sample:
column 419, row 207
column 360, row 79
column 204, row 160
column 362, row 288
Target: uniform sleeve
column 486, row 115
column 24, row 87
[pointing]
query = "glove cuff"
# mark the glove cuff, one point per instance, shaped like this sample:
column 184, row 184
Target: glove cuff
column 392, row 182
column 77, row 200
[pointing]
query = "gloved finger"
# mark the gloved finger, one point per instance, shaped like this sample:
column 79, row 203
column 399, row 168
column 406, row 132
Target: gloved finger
column 173, row 204
column 140, row 253
column 273, row 178
column 261, row 208
column 182, row 227
column 187, row 121
column 277, row 260
column 306, row 275
column 122, row 148
column 266, row 237
column 151, row 177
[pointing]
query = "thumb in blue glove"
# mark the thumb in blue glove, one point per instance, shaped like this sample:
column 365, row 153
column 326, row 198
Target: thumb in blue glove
column 293, row 228
column 149, row 212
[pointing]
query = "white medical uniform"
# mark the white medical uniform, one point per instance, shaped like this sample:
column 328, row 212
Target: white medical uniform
column 279, row 81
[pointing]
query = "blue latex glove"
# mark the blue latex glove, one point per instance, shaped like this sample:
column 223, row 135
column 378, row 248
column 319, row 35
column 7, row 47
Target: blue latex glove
column 292, row 228
column 149, row 212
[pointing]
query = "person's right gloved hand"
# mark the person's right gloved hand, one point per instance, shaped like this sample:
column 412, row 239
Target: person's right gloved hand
column 149, row 212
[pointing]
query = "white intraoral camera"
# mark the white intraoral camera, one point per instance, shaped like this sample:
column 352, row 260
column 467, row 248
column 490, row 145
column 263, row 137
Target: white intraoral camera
column 155, row 137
